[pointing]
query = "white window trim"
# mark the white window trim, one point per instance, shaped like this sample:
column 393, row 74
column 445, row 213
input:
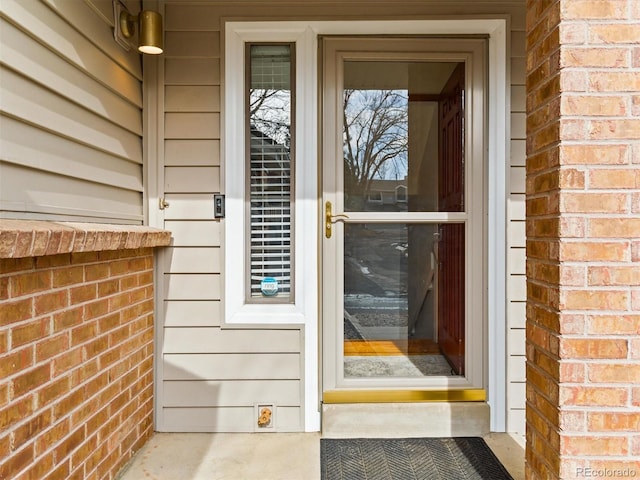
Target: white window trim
column 305, row 310
column 237, row 311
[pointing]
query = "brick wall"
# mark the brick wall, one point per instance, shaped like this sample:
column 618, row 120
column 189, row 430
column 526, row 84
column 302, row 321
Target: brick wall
column 583, row 247
column 76, row 351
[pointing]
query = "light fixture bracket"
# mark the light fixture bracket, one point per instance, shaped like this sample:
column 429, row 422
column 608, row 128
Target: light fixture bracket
column 128, row 24
column 122, row 31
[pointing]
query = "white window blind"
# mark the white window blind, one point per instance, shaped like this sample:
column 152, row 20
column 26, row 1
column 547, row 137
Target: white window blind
column 270, row 167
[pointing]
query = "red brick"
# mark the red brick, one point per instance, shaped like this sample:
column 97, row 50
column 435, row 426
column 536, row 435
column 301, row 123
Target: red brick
column 96, row 309
column 594, row 202
column 98, row 271
column 86, row 449
column 572, row 372
column 594, row 300
column 95, row 347
column 614, row 373
column 611, row 275
column 66, row 404
column 50, row 261
column 593, row 396
column 576, row 251
column 595, row 348
column 108, row 287
column 67, row 319
column 16, row 361
column 615, row 33
column 17, row 462
column 15, row 412
column 594, row 445
column 62, row 472
column 64, row 277
column 614, row 227
column 614, row 421
column 30, row 380
column 51, row 347
column 66, row 361
column 4, row 394
column 84, row 333
column 593, row 154
column 13, row 265
column 32, row 427
column 589, row 56
column 4, row 288
column 614, row 324
column 51, row 302
column 39, row 469
column 53, row 435
column 53, row 391
column 29, row 332
column 117, row 302
column 28, row 283
column 83, row 293
column 613, row 178
column 73, row 440
column 11, row 312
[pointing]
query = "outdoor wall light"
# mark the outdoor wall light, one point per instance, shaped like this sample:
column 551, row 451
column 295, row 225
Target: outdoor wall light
column 148, row 23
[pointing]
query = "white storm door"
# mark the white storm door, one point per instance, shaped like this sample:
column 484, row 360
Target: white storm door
column 403, row 203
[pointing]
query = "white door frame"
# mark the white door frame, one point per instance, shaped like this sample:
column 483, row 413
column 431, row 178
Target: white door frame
column 468, row 51
column 305, row 35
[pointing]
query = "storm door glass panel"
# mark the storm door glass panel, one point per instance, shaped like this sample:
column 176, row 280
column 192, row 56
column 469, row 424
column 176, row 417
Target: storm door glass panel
column 395, row 276
column 399, row 119
column 270, row 114
column 404, row 283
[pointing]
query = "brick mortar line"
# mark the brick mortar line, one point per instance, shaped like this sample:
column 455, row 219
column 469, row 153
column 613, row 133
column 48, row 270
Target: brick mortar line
column 68, row 308
column 69, row 414
column 69, row 287
column 68, row 331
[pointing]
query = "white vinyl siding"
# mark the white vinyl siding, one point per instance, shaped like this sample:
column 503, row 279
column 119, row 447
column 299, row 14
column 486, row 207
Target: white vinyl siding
column 516, row 257
column 71, row 115
column 211, row 375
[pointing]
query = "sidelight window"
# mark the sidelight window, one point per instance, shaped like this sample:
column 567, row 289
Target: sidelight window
column 270, row 163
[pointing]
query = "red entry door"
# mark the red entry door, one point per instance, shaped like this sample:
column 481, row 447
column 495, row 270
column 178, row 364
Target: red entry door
column 451, row 251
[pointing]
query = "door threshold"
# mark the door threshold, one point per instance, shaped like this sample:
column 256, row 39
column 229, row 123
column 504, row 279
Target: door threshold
column 404, row 396
column 396, row 420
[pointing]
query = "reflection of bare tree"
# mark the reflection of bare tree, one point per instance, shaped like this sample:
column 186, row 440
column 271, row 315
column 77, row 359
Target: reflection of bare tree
column 270, row 113
column 375, row 137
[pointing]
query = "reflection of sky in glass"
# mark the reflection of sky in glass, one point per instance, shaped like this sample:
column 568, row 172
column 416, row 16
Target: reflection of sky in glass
column 376, row 133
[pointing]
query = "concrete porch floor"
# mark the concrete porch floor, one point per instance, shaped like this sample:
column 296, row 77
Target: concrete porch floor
column 261, row 456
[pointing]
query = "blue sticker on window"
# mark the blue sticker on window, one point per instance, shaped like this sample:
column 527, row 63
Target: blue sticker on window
column 269, row 286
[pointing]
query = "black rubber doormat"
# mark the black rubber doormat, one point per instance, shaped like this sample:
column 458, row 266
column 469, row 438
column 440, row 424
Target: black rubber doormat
column 458, row 458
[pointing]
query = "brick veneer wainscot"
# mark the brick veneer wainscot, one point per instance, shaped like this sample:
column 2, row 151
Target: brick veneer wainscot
column 583, row 231
column 76, row 347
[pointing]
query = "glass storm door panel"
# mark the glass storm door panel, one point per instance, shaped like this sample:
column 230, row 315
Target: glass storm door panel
column 396, row 217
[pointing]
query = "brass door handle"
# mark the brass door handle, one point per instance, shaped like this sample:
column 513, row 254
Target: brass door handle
column 329, row 219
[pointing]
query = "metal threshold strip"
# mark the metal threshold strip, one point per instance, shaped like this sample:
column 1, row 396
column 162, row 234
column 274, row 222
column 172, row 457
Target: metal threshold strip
column 404, row 396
